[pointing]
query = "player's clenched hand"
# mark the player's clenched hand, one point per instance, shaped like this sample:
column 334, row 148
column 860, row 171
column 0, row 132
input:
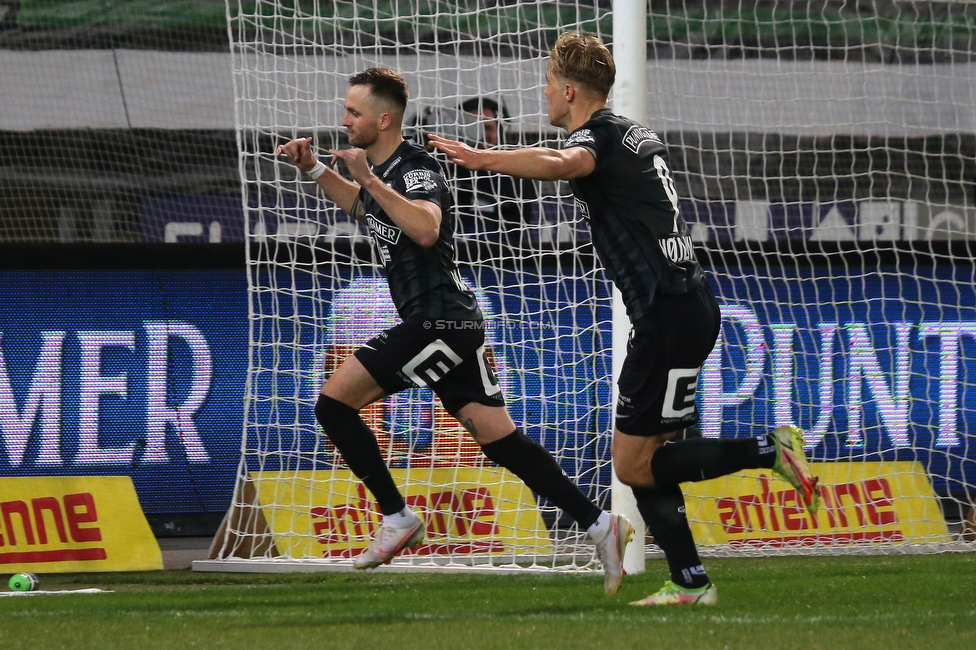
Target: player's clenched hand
column 356, row 162
column 458, row 152
column 299, row 152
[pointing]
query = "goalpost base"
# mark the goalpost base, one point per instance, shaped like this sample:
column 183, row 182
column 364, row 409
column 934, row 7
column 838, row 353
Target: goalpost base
column 244, row 532
column 552, row 564
column 401, row 565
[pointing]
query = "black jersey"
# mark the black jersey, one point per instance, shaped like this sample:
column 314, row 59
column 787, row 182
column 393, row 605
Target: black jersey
column 631, row 205
column 424, row 282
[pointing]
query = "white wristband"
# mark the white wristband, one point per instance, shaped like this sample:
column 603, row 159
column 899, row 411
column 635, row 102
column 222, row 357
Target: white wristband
column 317, row 170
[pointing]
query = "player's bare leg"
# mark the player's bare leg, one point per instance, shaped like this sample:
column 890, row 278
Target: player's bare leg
column 352, row 385
column 632, row 457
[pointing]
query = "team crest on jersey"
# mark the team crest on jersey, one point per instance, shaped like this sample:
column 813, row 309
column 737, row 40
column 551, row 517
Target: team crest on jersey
column 419, row 179
column 579, row 137
column 380, row 230
column 638, row 135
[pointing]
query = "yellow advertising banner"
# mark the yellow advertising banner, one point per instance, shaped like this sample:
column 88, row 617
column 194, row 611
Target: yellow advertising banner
column 861, row 503
column 467, row 510
column 74, row 524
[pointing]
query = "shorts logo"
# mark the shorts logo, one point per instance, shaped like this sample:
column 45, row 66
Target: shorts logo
column 432, row 364
column 679, row 399
column 638, row 135
column 419, row 179
column 488, row 378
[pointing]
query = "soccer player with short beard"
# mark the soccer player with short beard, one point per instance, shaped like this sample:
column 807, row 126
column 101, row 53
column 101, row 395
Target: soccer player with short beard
column 619, row 173
column 398, row 192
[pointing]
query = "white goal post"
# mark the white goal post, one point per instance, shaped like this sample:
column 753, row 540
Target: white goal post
column 825, row 164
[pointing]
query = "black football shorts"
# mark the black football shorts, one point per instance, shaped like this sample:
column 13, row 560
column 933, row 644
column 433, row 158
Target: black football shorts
column 665, row 353
column 448, row 356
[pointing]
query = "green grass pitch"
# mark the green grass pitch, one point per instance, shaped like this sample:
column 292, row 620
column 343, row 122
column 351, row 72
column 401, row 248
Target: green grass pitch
column 905, row 601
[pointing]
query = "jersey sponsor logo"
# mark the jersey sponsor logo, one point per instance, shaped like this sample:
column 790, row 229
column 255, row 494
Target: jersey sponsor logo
column 678, row 248
column 623, row 402
column 420, row 179
column 638, row 135
column 579, row 137
column 584, row 209
column 383, row 231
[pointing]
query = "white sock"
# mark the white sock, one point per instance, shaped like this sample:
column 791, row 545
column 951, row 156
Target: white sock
column 402, row 519
column 599, row 530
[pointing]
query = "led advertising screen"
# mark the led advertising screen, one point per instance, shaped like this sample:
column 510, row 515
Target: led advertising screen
column 143, row 373
column 137, row 373
column 877, row 365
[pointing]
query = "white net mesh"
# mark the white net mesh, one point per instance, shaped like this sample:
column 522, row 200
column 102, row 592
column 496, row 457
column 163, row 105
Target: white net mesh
column 318, row 292
column 825, row 159
column 117, row 121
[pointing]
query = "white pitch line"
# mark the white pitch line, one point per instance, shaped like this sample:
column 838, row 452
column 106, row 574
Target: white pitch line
column 51, row 593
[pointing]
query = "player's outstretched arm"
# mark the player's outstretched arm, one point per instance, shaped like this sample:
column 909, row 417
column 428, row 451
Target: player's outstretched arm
column 340, row 191
column 540, row 163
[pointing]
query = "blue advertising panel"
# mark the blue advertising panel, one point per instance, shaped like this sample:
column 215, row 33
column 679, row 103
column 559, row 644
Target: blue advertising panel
column 872, row 366
column 143, row 373
column 137, row 373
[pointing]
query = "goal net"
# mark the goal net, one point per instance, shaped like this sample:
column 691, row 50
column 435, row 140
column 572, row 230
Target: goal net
column 824, row 156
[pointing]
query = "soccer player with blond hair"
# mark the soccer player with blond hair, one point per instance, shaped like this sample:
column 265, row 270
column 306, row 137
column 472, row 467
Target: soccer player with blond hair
column 621, row 179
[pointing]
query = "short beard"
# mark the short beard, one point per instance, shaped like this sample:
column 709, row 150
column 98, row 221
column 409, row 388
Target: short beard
column 361, row 144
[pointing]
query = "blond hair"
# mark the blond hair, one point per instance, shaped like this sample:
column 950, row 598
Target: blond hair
column 583, row 59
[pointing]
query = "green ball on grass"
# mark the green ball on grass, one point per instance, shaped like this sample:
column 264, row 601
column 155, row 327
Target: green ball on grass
column 23, row 582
